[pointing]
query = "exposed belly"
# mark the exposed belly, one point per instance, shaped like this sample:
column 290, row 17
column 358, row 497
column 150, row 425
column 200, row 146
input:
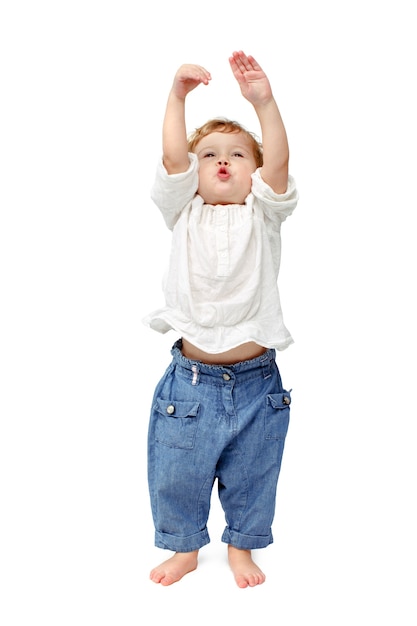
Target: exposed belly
column 244, row 352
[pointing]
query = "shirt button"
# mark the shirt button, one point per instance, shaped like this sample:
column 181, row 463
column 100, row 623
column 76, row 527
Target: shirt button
column 170, row 409
column 226, row 376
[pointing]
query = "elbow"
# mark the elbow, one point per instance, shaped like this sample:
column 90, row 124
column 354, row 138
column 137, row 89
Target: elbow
column 175, row 166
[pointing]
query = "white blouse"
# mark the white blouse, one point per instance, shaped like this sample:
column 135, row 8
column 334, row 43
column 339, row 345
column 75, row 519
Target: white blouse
column 221, row 284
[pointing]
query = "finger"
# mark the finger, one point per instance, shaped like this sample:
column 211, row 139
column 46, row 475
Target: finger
column 204, row 75
column 247, row 62
column 254, row 64
column 240, row 60
column 196, row 73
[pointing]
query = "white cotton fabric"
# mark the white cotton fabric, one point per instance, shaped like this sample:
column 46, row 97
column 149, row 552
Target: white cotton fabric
column 221, row 285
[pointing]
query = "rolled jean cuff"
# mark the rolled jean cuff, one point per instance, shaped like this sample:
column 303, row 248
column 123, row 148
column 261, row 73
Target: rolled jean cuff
column 182, row 544
column 246, row 542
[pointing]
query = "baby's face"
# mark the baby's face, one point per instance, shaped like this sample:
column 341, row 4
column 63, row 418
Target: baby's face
column 226, row 163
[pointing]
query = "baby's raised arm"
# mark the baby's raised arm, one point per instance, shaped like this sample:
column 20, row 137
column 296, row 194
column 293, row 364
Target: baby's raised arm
column 174, row 133
column 255, row 87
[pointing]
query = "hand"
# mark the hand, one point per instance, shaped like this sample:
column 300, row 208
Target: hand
column 188, row 77
column 253, row 82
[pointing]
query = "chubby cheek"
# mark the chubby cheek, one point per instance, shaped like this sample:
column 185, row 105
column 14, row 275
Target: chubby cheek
column 201, row 184
column 204, row 179
column 244, row 184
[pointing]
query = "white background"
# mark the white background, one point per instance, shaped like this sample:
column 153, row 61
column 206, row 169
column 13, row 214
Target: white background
column 82, row 252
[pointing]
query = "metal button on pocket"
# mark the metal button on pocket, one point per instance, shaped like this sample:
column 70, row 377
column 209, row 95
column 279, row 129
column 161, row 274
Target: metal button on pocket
column 226, row 376
column 286, row 400
column 170, row 409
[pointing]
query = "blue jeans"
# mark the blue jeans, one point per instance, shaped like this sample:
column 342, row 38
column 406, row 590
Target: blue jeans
column 219, row 422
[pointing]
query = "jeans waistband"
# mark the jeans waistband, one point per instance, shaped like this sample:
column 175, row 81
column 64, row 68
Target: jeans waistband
column 258, row 366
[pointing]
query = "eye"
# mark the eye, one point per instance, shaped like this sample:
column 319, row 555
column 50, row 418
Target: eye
column 237, row 154
column 208, row 154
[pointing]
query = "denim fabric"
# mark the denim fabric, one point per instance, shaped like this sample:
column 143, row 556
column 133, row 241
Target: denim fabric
column 219, row 422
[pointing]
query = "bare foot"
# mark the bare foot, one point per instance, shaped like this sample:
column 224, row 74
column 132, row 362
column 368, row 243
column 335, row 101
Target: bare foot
column 172, row 570
column 245, row 570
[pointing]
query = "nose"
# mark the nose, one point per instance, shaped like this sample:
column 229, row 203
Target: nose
column 222, row 161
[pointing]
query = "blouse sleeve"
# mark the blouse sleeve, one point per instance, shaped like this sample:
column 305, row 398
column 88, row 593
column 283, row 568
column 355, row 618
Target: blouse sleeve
column 173, row 192
column 275, row 205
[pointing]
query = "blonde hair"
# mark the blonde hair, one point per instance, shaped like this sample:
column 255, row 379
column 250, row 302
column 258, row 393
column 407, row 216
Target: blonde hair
column 223, row 125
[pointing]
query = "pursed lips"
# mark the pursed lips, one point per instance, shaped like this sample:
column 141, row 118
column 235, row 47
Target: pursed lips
column 222, row 173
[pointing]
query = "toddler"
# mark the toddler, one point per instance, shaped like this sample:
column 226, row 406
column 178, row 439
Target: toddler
column 220, row 411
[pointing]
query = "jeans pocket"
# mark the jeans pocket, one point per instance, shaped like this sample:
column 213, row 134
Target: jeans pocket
column 176, row 423
column 277, row 415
